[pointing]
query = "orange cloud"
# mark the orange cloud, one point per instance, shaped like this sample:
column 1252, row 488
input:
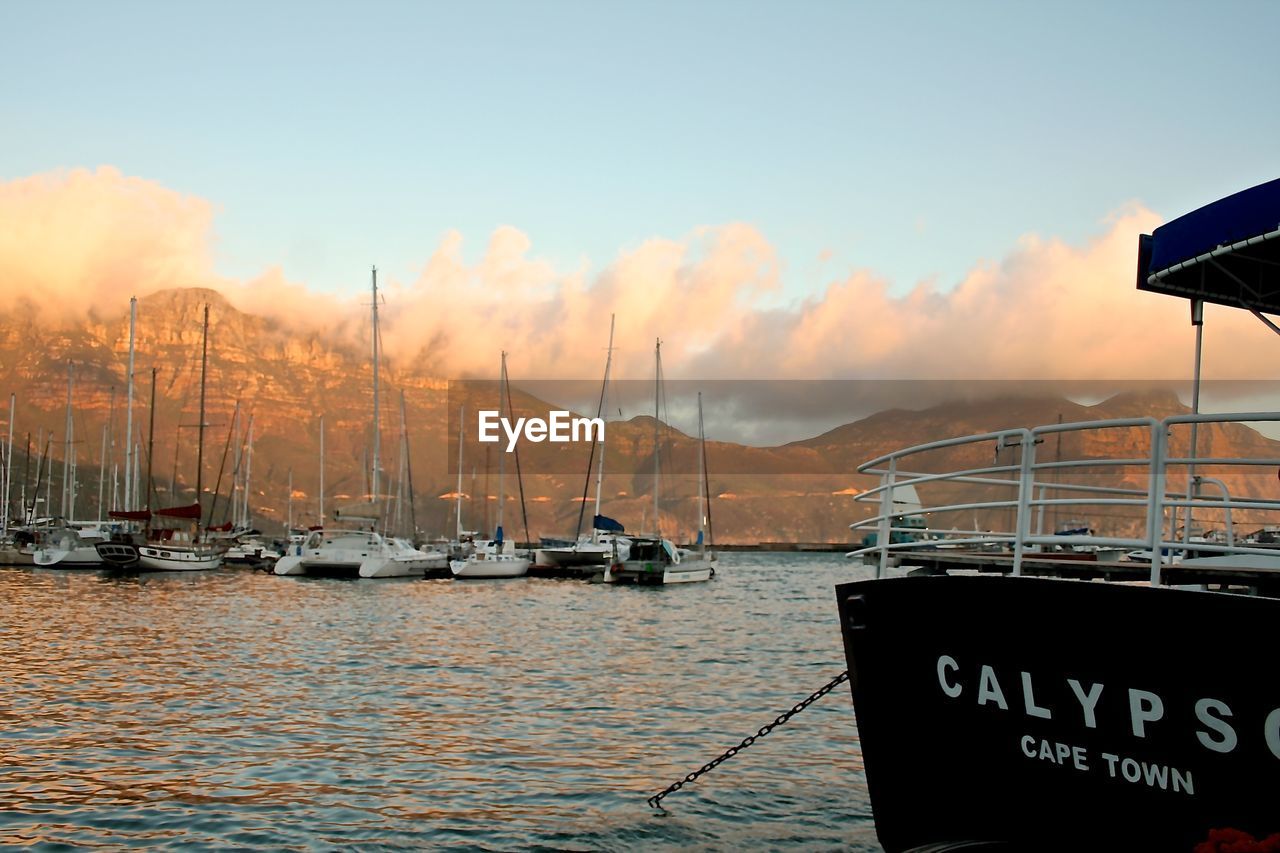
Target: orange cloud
column 74, row 241
column 1046, row 310
column 79, row 240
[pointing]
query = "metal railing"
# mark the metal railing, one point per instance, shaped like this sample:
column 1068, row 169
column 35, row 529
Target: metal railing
column 1037, row 488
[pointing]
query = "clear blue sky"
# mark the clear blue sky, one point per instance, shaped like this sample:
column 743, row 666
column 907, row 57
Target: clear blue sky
column 911, row 138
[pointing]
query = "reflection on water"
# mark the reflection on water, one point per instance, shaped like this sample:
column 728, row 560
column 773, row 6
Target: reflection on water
column 234, row 708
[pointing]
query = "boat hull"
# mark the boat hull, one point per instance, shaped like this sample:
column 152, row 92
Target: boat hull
column 373, row 567
column 118, row 555
column 570, row 557
column 162, row 559
column 490, row 567
column 650, row 573
column 1052, row 714
column 83, row 557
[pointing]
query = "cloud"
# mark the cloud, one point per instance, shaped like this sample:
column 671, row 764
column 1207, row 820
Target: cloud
column 1048, row 309
column 79, row 240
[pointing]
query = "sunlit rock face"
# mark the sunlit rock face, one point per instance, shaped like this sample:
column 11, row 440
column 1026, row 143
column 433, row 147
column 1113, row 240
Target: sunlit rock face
column 288, row 377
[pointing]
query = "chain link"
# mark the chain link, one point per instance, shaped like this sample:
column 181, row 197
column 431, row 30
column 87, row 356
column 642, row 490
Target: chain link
column 656, row 800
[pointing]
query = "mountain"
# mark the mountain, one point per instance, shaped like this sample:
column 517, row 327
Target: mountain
column 286, row 379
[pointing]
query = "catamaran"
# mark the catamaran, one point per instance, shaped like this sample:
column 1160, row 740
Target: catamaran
column 352, row 546
column 357, row 552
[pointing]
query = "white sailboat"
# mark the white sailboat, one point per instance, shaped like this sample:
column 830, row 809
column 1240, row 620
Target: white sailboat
column 69, row 544
column 654, row 559
column 358, row 550
column 497, row 557
column 72, row 546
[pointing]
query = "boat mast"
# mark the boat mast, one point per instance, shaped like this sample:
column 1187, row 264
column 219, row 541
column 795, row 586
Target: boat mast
column 108, row 453
column 204, row 362
column 377, row 428
column 603, row 414
column 8, row 470
column 288, row 525
column 137, row 455
column 702, row 478
column 462, row 410
column 68, row 502
column 26, row 475
column 40, row 467
column 502, row 454
column 128, row 430
column 151, row 436
column 322, row 470
column 657, row 391
column 248, row 469
column 408, row 466
column 235, row 469
column 524, row 512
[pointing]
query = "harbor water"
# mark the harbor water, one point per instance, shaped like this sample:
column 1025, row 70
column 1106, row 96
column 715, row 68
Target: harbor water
column 240, row 709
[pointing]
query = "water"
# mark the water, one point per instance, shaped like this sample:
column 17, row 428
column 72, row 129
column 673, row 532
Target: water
column 240, row 709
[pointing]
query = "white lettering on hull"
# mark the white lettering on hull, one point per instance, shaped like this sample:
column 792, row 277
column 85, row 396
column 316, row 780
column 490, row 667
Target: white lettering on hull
column 1146, row 713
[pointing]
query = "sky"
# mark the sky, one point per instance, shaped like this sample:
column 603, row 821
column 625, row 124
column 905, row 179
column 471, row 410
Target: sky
column 820, row 177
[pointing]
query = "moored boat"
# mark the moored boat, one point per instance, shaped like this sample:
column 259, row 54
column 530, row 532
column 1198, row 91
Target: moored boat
column 653, row 560
column 72, row 546
column 1010, row 694
column 171, row 542
column 358, row 553
column 492, row 558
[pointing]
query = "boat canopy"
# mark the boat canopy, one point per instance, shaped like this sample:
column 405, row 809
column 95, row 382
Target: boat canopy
column 1227, row 252
column 130, row 515
column 605, row 524
column 189, row 511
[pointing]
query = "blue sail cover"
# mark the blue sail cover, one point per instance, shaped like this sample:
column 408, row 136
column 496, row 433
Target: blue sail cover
column 497, row 537
column 1227, row 252
column 608, row 525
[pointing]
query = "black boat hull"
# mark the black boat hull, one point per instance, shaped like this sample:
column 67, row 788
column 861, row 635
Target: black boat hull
column 1051, row 714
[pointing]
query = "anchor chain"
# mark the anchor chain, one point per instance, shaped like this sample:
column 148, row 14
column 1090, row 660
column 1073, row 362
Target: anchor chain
column 656, row 800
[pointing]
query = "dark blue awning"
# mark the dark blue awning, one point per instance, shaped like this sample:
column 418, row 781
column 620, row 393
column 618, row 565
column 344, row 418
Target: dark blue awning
column 1227, row 252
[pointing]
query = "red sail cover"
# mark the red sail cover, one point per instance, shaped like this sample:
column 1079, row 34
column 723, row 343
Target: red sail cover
column 135, row 515
column 192, row 511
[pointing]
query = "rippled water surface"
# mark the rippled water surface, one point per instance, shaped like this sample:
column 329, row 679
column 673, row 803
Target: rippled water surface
column 240, row 709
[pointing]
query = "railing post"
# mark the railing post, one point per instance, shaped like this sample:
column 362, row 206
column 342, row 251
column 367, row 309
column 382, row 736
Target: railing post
column 1155, row 499
column 886, row 508
column 1026, row 485
column 1040, row 511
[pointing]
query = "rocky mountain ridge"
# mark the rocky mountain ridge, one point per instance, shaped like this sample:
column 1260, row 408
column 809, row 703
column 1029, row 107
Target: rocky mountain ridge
column 288, row 379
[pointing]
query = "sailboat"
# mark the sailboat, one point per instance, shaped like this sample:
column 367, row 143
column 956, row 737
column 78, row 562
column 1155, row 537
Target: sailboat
column 69, row 544
column 654, row 559
column 357, row 549
column 496, row 557
column 173, row 540
column 597, row 549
